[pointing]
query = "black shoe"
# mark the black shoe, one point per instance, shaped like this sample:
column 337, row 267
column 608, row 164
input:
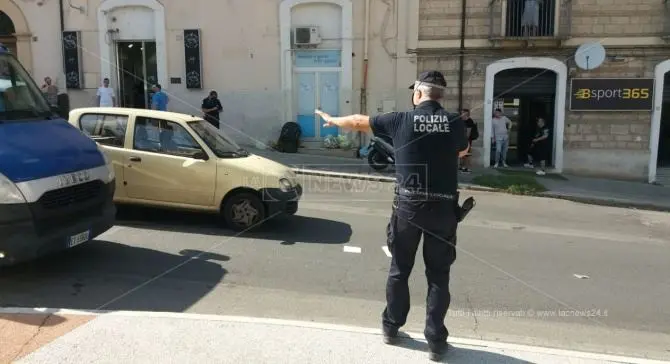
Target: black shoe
column 390, row 337
column 436, row 351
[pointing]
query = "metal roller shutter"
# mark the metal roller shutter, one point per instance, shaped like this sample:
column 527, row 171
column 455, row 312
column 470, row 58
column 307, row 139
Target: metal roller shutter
column 524, row 82
column 666, row 87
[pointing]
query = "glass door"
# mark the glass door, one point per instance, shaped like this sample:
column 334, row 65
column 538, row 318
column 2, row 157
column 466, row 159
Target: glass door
column 306, row 97
column 138, row 71
column 150, row 70
column 329, row 99
column 316, row 90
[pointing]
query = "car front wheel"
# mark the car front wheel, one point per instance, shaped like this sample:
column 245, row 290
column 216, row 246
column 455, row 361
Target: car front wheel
column 243, row 211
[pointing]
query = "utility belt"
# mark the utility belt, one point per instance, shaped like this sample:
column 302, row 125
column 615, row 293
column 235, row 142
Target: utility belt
column 425, row 195
column 460, row 210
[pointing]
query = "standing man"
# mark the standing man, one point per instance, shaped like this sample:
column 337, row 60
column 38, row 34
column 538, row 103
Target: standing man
column 211, row 107
column 472, row 133
column 159, row 100
column 105, row 95
column 428, row 143
column 501, row 126
column 50, row 91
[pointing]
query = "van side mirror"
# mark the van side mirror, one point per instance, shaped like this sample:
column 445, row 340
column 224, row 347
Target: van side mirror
column 200, row 155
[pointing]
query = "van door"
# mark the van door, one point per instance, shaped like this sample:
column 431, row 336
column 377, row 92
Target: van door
column 166, row 165
column 109, row 131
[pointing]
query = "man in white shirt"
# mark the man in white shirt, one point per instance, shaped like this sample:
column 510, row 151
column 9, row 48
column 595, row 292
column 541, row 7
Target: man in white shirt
column 105, row 95
column 501, row 126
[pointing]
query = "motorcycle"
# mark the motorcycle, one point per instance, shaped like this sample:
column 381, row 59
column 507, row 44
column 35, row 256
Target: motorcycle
column 380, row 153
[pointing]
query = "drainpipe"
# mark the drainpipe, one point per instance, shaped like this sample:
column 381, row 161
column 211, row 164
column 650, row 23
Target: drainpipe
column 62, row 16
column 63, row 97
column 364, row 88
column 461, row 57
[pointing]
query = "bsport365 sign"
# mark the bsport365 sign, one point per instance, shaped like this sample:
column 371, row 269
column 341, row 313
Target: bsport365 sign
column 611, row 94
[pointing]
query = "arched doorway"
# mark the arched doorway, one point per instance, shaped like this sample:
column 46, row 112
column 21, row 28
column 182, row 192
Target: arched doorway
column 523, row 95
column 541, row 74
column 7, row 32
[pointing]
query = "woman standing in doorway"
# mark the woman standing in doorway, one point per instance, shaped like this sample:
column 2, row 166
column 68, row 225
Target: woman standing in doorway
column 539, row 148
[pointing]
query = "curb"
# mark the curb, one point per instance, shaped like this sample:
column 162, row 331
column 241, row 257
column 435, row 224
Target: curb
column 366, row 177
column 606, row 202
column 611, row 202
column 574, row 354
column 373, row 178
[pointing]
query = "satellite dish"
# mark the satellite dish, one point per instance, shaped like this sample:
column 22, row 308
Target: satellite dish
column 590, row 56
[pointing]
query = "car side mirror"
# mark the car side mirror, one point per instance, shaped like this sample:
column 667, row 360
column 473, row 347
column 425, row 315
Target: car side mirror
column 200, row 155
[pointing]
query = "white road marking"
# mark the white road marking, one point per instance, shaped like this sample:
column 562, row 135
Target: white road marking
column 112, row 231
column 351, row 249
column 331, row 327
column 386, row 251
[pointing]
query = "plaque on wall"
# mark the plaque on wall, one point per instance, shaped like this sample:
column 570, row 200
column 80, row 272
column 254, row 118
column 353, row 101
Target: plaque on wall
column 192, row 58
column 72, row 60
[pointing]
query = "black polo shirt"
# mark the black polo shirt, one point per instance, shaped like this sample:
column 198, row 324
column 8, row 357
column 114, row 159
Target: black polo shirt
column 208, row 103
column 427, row 141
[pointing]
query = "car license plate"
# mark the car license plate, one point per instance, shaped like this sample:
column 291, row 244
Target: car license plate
column 78, row 239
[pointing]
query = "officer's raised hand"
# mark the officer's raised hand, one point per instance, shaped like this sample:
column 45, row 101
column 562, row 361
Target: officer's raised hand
column 352, row 122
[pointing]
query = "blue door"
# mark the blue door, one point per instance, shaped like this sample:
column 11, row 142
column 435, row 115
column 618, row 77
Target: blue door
column 306, row 82
column 329, row 99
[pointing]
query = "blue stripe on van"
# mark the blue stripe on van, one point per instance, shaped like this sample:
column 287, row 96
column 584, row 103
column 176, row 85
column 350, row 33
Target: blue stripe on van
column 42, row 148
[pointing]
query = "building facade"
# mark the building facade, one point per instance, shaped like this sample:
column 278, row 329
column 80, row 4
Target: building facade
column 31, row 30
column 609, row 118
column 271, row 61
column 274, row 61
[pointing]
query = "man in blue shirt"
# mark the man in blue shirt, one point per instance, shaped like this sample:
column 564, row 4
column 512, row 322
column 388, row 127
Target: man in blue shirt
column 428, row 142
column 159, row 100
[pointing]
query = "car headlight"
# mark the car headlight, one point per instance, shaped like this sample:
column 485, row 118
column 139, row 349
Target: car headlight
column 285, row 185
column 9, row 193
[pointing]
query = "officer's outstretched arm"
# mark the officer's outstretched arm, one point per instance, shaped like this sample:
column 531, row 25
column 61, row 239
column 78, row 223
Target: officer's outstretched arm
column 356, row 122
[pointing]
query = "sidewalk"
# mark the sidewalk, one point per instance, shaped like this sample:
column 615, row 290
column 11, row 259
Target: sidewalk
column 578, row 189
column 146, row 337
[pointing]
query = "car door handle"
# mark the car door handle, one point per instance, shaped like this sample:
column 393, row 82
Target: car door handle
column 135, row 159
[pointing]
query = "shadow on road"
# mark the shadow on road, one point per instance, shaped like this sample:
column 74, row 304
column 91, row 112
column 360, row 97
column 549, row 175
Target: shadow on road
column 288, row 229
column 35, row 318
column 111, row 276
column 457, row 355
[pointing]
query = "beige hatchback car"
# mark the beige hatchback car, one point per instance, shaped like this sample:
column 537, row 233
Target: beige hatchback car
column 180, row 161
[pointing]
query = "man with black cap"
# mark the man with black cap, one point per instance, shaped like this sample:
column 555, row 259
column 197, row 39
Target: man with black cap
column 428, row 142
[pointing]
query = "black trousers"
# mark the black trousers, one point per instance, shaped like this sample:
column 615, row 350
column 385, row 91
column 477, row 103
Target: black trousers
column 213, row 120
column 436, row 221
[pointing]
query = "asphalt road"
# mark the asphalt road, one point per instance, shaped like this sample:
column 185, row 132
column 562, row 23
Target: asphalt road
column 526, row 268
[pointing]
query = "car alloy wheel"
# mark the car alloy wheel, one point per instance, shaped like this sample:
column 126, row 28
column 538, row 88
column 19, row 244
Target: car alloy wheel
column 243, row 211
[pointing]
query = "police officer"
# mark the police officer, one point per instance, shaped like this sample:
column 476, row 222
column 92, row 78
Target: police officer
column 428, row 142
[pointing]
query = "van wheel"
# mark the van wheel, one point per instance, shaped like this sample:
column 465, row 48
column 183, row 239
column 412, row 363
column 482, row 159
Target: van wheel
column 243, row 211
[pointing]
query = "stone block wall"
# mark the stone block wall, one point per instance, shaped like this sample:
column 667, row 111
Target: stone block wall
column 440, row 19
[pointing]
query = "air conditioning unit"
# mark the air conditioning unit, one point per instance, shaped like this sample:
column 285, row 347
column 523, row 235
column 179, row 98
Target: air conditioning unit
column 306, row 36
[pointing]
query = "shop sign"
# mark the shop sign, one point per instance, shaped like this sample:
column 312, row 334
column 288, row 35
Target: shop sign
column 318, row 58
column 611, row 94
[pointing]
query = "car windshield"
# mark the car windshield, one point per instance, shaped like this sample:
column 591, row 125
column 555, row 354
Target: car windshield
column 217, row 141
column 20, row 98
